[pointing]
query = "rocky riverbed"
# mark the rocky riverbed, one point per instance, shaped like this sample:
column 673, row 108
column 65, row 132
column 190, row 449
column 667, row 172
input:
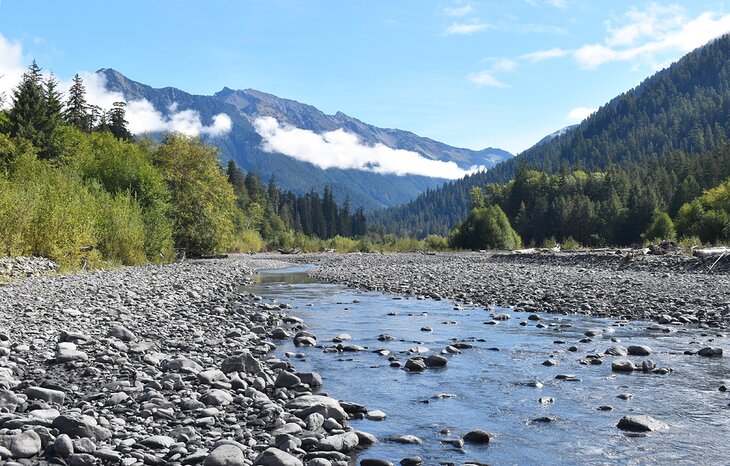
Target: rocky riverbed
column 159, row 365
column 672, row 290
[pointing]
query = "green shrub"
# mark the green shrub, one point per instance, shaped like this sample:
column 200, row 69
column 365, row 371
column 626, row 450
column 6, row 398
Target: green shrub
column 569, row 244
column 661, row 228
column 436, row 242
column 342, row 244
column 485, row 228
column 121, row 228
column 247, row 241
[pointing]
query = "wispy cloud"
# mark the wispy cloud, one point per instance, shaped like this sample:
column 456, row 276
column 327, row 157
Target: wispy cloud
column 645, row 35
column 579, row 114
column 465, row 28
column 541, row 55
column 459, row 11
column 486, row 78
column 340, row 149
column 12, row 66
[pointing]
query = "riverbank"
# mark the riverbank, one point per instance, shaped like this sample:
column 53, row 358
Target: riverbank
column 670, row 289
column 158, row 365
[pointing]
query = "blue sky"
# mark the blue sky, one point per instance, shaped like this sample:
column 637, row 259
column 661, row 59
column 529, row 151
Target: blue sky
column 468, row 73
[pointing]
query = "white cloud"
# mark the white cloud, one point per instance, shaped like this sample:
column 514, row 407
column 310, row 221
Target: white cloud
column 541, row 55
column 646, row 36
column 465, row 28
column 557, row 3
column 141, row 114
column 340, row 149
column 459, row 11
column 579, row 114
column 12, row 66
column 486, row 78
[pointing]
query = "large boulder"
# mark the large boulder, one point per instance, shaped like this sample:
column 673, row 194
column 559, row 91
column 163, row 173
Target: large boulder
column 477, row 436
column 305, row 405
column 339, row 442
column 225, row 455
column 638, row 350
column 24, row 445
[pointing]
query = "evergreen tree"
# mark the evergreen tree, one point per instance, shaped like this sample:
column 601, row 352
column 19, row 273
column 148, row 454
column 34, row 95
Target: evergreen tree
column 117, row 123
column 78, row 113
column 28, row 117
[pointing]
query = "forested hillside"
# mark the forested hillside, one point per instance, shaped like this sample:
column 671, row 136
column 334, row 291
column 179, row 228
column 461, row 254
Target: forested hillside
column 683, row 110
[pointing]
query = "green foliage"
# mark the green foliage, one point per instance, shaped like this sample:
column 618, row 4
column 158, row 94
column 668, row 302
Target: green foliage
column 121, row 228
column 661, row 228
column 708, row 216
column 485, row 228
column 247, row 241
column 569, row 244
column 203, row 202
column 436, row 242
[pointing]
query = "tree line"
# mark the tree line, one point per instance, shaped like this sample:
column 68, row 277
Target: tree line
column 77, row 187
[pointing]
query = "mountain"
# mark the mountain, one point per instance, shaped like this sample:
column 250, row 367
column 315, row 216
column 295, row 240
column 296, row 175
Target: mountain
column 244, row 144
column 685, row 107
column 558, row 133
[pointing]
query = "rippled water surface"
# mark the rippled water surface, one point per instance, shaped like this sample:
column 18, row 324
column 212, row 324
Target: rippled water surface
column 491, row 379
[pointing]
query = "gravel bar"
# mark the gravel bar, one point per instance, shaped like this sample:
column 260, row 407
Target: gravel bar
column 160, row 365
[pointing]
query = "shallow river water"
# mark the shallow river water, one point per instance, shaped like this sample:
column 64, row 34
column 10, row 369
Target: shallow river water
column 491, row 380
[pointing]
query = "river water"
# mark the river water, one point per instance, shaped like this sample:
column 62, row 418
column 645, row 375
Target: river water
column 492, row 380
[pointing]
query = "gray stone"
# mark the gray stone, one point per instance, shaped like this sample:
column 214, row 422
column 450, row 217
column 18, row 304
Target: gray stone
column 182, row 365
column 80, row 427
column 8, row 401
column 415, row 365
column 286, row 380
column 340, row 442
column 225, row 455
column 406, row 439
column 640, row 424
column 477, row 436
column 24, row 445
column 217, row 398
column 243, row 362
column 710, row 352
column 375, row 462
column 276, row 457
column 622, row 365
column 121, row 333
column 45, row 394
column 436, row 360
column 158, row 442
column 63, row 446
column 312, row 379
column 305, row 405
column 639, row 350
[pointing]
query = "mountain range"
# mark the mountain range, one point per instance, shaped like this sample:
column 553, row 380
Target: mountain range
column 245, row 145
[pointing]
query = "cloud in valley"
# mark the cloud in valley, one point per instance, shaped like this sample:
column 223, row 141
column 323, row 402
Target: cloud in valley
column 340, row 149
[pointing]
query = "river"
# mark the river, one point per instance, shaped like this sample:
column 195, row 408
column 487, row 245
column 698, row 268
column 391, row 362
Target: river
column 497, row 383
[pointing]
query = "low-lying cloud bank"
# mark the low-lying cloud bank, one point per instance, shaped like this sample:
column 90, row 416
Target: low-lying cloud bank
column 141, row 114
column 340, row 149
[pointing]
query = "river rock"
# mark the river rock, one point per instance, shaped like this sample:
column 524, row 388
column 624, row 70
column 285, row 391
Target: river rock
column 276, row 457
column 339, row 442
column 82, row 426
column 406, row 439
column 411, row 461
column 639, row 350
column 477, row 436
column 415, row 365
column 375, row 462
column 286, row 380
column 305, row 405
column 435, row 360
column 226, row 455
column 121, row 333
column 312, row 379
column 8, row 401
column 243, row 362
column 640, row 424
column 376, row 415
column 616, row 351
column 24, row 445
column 710, row 352
column 622, row 365
column 63, row 446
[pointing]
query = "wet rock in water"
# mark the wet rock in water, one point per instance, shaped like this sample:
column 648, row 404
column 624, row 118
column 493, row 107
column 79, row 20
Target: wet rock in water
column 405, row 439
column 435, row 360
column 546, row 400
column 342, row 337
column 640, row 424
column 276, row 457
column 411, row 461
column 616, row 351
column 375, row 462
column 305, row 405
column 543, row 420
column 550, row 362
column 639, row 350
column 710, row 352
column 365, row 438
column 605, row 408
column 376, row 415
column 568, row 377
column 415, row 365
column 622, row 365
column 425, row 329
column 477, row 436
column 385, row 337
column 723, row 388
column 625, row 396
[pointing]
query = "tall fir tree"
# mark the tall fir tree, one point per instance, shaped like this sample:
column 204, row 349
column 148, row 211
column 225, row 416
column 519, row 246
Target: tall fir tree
column 28, row 113
column 117, row 122
column 78, row 113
